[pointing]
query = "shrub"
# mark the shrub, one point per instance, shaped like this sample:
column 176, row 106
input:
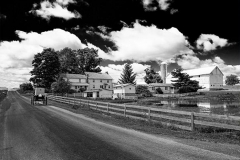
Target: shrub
column 159, row 91
column 143, row 90
column 186, row 89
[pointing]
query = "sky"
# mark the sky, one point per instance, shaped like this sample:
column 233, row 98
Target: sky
column 186, row 34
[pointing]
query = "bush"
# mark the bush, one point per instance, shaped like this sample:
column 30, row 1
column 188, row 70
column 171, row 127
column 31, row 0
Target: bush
column 186, row 89
column 143, row 90
column 71, row 91
column 159, row 91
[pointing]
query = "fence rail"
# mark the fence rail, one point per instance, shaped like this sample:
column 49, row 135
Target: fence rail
column 180, row 119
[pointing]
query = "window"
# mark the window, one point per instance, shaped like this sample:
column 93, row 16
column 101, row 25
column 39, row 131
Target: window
column 101, row 86
column 109, row 87
column 129, row 88
column 75, row 87
column 93, row 86
column 93, row 80
column 100, row 80
column 107, row 81
column 153, row 88
column 199, row 76
column 89, row 94
column 166, row 88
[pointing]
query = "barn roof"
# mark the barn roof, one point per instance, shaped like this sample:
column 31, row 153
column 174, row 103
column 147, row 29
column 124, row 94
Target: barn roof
column 93, row 75
column 199, row 71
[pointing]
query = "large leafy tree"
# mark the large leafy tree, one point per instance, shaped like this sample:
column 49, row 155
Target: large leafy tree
column 183, row 82
column 68, row 60
column 79, row 61
column 232, row 80
column 61, row 86
column 88, row 60
column 46, row 68
column 127, row 76
column 151, row 76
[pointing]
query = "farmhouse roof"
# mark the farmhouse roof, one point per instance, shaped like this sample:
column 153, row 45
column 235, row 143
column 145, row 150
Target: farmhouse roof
column 74, row 76
column 97, row 90
column 124, row 85
column 93, row 75
column 79, row 84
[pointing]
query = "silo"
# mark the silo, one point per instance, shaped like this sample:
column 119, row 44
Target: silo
column 164, row 71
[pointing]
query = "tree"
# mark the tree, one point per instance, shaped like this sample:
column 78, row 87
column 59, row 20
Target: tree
column 159, row 91
column 232, row 80
column 26, row 87
column 127, row 76
column 183, row 82
column 46, row 68
column 143, row 90
column 151, row 76
column 88, row 60
column 68, row 60
column 61, row 86
column 79, row 61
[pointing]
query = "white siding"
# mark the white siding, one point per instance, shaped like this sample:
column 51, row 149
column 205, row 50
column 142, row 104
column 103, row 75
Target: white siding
column 126, row 89
column 73, row 80
column 97, row 84
column 83, row 80
column 216, row 79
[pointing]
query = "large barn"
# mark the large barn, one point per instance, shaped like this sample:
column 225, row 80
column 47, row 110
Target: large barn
column 209, row 78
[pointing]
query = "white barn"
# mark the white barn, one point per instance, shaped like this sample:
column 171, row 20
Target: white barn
column 209, row 78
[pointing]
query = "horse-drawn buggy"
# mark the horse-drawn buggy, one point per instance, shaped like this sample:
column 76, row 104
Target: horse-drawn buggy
column 39, row 97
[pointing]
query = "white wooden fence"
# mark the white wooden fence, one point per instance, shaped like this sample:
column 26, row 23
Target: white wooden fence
column 179, row 119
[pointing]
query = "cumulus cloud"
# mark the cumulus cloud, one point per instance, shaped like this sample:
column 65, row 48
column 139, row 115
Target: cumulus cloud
column 192, row 62
column 208, row 42
column 55, row 9
column 161, row 4
column 116, row 70
column 16, row 56
column 146, row 43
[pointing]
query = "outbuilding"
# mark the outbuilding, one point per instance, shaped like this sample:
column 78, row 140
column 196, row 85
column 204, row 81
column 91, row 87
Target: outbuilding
column 124, row 91
column 166, row 88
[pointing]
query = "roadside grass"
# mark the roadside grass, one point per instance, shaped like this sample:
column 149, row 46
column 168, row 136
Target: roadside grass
column 202, row 133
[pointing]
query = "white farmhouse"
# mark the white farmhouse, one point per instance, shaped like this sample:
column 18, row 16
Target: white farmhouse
column 124, row 91
column 209, row 78
column 95, row 84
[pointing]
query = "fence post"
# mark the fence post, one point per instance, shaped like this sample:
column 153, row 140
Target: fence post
column 192, row 122
column 149, row 113
column 107, row 108
column 96, row 105
column 74, row 99
column 88, row 104
column 125, row 109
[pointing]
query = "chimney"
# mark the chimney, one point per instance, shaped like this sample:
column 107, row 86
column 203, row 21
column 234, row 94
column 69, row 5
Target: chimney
column 163, row 71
